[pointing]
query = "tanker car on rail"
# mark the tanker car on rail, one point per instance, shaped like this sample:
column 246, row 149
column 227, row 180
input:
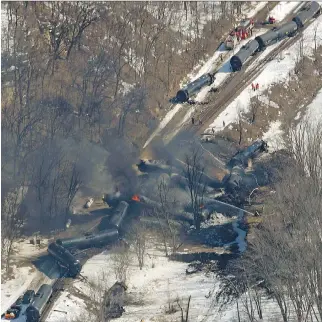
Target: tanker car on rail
column 275, row 35
column 92, row 240
column 34, row 311
column 119, row 215
column 192, row 88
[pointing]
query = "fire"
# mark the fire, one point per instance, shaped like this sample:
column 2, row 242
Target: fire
column 136, row 198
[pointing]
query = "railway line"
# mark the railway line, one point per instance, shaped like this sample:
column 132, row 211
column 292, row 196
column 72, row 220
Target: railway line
column 235, row 83
column 63, row 282
column 238, row 83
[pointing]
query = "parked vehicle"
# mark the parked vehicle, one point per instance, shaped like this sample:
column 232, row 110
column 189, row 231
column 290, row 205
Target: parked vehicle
column 12, row 313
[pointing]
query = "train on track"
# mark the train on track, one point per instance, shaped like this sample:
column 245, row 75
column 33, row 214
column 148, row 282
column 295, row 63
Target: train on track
column 276, row 34
column 36, row 308
column 194, row 87
column 61, row 248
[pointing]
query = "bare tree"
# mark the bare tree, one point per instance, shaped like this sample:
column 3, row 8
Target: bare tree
column 135, row 100
column 164, row 214
column 283, row 253
column 239, row 125
column 12, row 221
column 194, row 172
column 254, row 105
column 121, row 261
column 184, row 315
column 138, row 235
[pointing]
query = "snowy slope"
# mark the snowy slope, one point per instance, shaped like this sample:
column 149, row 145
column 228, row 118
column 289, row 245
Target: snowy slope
column 12, row 289
column 283, row 7
column 314, row 110
column 152, row 287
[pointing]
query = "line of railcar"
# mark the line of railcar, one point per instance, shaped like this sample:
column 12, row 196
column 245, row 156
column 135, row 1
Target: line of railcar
column 59, row 248
column 90, row 240
column 289, row 29
column 194, row 87
column 36, row 308
column 258, row 44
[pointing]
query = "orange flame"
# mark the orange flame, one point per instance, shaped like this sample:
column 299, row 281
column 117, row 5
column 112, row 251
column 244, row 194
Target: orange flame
column 136, row 198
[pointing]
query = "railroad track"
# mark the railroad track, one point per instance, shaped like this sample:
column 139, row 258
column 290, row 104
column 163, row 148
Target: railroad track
column 57, row 286
column 234, row 85
column 237, row 82
column 64, row 282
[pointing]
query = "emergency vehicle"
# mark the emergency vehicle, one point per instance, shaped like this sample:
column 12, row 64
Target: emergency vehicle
column 242, row 31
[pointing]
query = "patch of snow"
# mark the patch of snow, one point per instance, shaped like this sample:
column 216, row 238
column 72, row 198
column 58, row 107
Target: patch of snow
column 4, row 18
column 12, row 289
column 282, row 9
column 69, row 304
column 152, row 287
column 267, row 101
column 298, row 115
column 258, row 7
column 216, row 219
column 137, row 63
column 274, row 137
column 126, row 87
column 314, row 111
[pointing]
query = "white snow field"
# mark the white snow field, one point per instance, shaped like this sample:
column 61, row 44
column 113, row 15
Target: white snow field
column 274, row 137
column 23, row 276
column 276, row 71
column 151, row 287
column 314, row 110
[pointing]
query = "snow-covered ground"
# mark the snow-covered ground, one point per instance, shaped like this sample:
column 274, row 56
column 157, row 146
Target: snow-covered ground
column 182, row 21
column 13, row 288
column 314, row 111
column 276, row 71
column 205, row 67
column 24, row 277
column 161, row 281
column 274, row 136
column 256, row 7
column 281, row 8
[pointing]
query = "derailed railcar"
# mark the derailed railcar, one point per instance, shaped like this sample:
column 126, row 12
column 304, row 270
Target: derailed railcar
column 103, row 238
column 119, row 215
column 192, row 88
column 309, row 12
column 237, row 61
column 241, row 157
column 34, row 311
column 65, row 259
column 234, row 181
column 149, row 166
